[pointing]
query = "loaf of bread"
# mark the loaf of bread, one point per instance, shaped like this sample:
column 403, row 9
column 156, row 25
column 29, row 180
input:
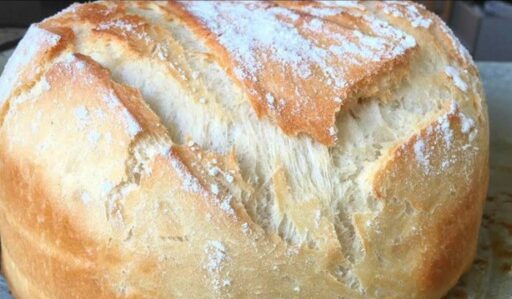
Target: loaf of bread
column 329, row 149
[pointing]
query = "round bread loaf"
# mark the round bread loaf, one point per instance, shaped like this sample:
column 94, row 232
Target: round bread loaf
column 330, row 149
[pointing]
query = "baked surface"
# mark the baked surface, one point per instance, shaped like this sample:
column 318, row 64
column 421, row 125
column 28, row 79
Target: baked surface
column 246, row 149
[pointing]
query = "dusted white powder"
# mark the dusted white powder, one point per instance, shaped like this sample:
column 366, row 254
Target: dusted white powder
column 213, row 171
column 35, row 42
column 455, row 75
column 215, row 257
column 417, row 20
column 131, row 124
column 247, row 29
column 270, row 99
column 190, row 183
column 214, row 188
column 127, row 27
column 106, row 187
column 446, row 130
column 466, row 124
column 343, row 3
column 245, row 228
column 94, row 137
column 226, row 205
column 216, row 254
column 229, row 178
column 411, row 13
column 421, row 156
column 82, row 115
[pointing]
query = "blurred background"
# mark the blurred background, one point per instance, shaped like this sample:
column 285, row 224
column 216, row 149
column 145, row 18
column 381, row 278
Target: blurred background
column 483, row 27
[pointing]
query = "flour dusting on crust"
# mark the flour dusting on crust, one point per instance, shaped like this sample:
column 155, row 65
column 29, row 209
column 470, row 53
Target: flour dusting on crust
column 268, row 42
column 35, row 42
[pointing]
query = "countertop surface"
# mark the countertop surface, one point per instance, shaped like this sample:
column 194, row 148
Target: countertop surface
column 491, row 273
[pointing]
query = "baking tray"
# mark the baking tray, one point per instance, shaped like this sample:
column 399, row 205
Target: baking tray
column 491, row 273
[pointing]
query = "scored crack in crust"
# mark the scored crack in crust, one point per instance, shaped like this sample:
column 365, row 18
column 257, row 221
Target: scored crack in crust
column 240, row 149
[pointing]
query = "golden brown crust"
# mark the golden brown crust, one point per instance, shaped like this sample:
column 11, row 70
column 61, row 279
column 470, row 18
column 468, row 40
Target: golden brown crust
column 97, row 200
column 430, row 211
column 40, row 45
column 37, row 267
column 94, row 106
column 111, row 24
column 300, row 103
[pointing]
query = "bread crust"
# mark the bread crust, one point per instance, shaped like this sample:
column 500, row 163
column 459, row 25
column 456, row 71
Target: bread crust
column 106, row 192
column 294, row 104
